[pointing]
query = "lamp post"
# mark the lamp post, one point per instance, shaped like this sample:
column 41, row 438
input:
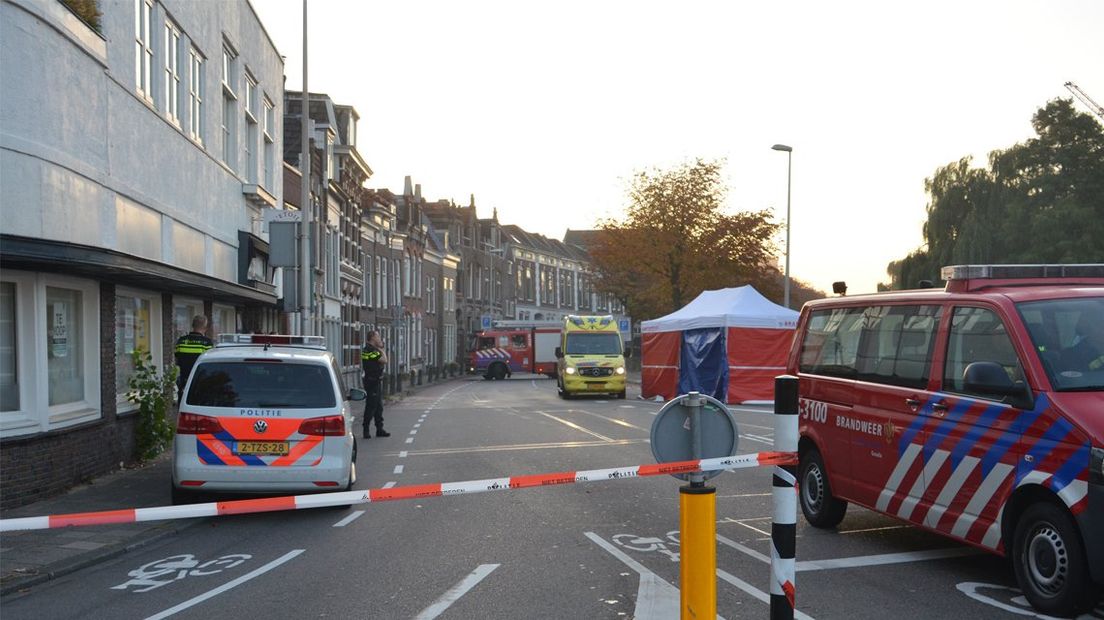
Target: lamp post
column 789, row 168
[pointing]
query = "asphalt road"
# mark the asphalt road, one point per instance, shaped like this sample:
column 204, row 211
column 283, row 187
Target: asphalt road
column 595, row 550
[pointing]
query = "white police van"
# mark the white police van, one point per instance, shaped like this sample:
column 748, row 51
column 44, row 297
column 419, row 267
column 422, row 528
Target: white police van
column 265, row 414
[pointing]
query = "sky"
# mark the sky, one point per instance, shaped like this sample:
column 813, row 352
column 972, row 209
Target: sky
column 545, row 111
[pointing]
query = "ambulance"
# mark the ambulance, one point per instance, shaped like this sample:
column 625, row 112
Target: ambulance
column 975, row 411
column 264, row 414
column 591, row 357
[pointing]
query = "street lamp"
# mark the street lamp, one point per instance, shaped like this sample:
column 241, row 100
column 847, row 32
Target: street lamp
column 789, row 169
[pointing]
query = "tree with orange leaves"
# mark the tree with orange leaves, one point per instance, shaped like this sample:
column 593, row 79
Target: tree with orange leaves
column 676, row 242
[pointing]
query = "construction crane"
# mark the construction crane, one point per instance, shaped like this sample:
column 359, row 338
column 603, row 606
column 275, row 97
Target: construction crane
column 1084, row 98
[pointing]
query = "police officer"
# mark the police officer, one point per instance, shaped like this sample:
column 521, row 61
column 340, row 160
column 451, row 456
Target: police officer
column 188, row 348
column 372, row 361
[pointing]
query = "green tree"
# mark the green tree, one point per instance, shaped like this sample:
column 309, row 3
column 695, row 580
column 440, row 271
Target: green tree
column 1040, row 201
column 675, row 242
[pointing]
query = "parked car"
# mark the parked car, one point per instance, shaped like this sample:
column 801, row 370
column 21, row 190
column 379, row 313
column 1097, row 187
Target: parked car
column 264, row 414
column 976, row 412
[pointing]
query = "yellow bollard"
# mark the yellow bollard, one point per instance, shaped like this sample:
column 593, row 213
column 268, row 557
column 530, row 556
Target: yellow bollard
column 698, row 558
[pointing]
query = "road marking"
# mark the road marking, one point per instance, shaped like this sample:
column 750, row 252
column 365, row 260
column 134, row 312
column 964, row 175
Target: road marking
column 409, row 440
column 741, row 548
column 766, row 440
column 613, row 420
column 527, row 446
column 389, row 484
column 402, row 455
column 886, row 558
column 418, row 425
column 655, row 598
column 455, row 592
column 226, row 586
column 754, row 592
column 626, row 407
column 398, row 469
column 728, row 520
column 574, row 426
column 970, row 589
column 414, row 432
column 353, row 516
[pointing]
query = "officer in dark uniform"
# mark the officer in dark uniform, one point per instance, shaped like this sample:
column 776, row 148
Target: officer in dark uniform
column 188, row 348
column 372, row 361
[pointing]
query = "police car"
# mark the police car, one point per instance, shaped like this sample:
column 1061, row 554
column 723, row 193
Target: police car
column 265, row 414
column 976, row 411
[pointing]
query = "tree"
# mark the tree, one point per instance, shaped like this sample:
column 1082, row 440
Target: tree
column 675, row 242
column 1040, row 201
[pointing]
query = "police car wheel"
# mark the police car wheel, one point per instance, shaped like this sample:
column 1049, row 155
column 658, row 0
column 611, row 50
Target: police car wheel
column 1049, row 561
column 820, row 507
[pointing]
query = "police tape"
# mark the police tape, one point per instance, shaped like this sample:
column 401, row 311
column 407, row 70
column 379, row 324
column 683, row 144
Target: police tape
column 417, row 491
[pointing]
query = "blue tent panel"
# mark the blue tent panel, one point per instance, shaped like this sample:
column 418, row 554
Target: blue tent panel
column 703, row 366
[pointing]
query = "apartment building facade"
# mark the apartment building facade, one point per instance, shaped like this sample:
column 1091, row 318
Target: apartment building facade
column 124, row 216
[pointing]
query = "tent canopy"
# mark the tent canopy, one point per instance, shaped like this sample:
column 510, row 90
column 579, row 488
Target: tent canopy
column 742, row 306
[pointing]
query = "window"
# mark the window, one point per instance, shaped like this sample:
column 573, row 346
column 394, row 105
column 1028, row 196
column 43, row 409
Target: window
column 896, row 345
column 831, row 342
column 978, row 335
column 137, row 327
column 183, row 311
column 519, row 341
column 195, row 96
column 269, row 144
column 143, row 49
column 255, row 384
column 251, row 139
column 172, row 72
column 223, row 321
column 385, row 288
column 229, row 107
column 9, row 371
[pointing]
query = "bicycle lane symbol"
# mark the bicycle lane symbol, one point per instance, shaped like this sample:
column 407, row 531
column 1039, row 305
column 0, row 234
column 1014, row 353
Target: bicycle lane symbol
column 176, row 567
column 645, row 544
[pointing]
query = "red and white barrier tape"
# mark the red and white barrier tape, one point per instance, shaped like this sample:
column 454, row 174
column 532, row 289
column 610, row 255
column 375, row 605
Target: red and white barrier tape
column 341, row 498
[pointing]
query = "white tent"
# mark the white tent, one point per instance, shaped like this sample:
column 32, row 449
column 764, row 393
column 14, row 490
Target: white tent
column 728, row 343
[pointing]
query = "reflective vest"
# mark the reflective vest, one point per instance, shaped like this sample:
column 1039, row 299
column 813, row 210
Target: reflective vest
column 188, row 348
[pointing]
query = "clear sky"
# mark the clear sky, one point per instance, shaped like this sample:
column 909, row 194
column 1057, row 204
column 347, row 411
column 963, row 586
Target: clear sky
column 545, row 110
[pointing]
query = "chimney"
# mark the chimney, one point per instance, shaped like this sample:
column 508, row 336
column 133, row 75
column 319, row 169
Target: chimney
column 472, row 204
column 418, row 191
column 406, row 187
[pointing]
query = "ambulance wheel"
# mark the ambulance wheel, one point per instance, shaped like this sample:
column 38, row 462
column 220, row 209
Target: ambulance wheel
column 1049, row 561
column 820, row 507
column 621, row 395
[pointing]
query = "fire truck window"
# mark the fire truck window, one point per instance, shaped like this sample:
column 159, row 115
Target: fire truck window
column 896, row 344
column 520, row 341
column 831, row 342
column 978, row 335
column 486, row 343
column 503, row 340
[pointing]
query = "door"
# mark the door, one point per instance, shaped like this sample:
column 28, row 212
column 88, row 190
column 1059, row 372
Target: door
column 886, row 428
column 974, row 437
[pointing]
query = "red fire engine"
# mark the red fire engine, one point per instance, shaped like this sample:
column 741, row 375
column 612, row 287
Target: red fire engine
column 515, row 346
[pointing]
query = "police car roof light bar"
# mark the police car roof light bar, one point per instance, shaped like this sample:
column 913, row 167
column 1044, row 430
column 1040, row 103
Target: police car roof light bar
column 313, row 342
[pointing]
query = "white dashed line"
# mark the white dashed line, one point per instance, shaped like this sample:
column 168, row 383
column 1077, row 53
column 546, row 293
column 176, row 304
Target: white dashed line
column 409, row 440
column 398, row 469
column 389, row 484
column 226, row 586
column 456, row 591
column 402, row 455
column 349, row 519
column 414, row 432
column 418, row 425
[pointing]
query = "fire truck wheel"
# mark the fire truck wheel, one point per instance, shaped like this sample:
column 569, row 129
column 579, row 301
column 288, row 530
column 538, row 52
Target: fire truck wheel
column 498, row 371
column 821, row 508
column 1050, row 562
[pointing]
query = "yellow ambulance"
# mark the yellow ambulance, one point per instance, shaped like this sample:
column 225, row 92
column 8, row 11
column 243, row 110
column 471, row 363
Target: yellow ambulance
column 591, row 357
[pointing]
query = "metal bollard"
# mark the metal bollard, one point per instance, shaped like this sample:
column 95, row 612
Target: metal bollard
column 697, row 532
column 784, row 499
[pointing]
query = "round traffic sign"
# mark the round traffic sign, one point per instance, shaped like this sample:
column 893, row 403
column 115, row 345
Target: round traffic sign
column 673, row 432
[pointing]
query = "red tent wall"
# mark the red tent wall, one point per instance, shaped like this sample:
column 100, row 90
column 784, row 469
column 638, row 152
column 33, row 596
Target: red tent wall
column 755, row 357
column 659, row 364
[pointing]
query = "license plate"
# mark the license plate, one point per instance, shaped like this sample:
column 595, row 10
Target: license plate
column 262, row 447
column 596, row 386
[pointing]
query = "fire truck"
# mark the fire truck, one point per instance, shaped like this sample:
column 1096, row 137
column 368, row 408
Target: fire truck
column 515, row 346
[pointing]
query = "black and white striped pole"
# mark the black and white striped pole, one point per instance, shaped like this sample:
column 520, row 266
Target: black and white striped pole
column 784, row 499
